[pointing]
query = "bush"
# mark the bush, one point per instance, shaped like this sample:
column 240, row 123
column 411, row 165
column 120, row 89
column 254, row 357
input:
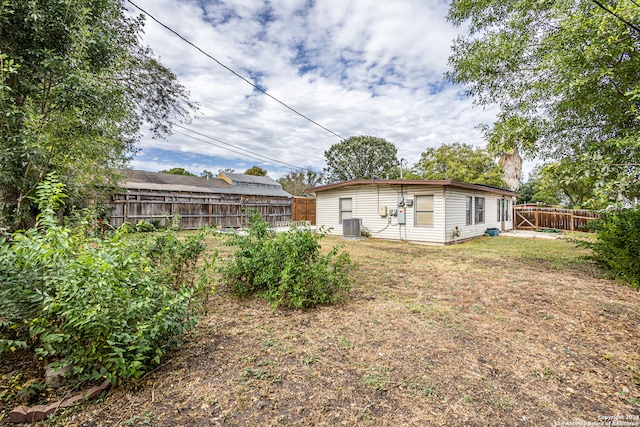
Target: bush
column 287, row 269
column 111, row 306
column 617, row 244
column 143, row 226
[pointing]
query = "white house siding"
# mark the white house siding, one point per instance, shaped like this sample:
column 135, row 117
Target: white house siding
column 456, row 200
column 449, row 211
column 435, row 233
column 366, row 200
column 456, row 213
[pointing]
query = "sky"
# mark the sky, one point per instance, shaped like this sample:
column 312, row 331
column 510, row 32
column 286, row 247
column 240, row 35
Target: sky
column 355, row 67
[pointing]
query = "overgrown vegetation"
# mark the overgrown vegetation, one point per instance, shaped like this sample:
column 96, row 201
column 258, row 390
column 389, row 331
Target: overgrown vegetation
column 543, row 63
column 287, row 269
column 617, row 244
column 110, row 305
column 490, row 332
column 76, row 85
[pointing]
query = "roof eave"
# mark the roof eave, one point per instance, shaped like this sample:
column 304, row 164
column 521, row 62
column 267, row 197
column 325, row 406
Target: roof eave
column 450, row 183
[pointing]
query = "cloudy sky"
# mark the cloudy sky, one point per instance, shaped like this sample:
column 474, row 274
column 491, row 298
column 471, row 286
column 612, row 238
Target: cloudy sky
column 356, row 67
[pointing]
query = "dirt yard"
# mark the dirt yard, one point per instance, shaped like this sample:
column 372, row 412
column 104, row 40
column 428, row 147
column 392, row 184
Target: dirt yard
column 497, row 331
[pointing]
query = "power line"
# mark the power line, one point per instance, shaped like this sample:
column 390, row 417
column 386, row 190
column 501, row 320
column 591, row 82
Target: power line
column 234, row 72
column 252, row 155
column 233, row 146
column 603, row 7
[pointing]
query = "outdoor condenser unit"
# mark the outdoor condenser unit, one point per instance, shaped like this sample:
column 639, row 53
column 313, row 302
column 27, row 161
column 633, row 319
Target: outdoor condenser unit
column 351, row 227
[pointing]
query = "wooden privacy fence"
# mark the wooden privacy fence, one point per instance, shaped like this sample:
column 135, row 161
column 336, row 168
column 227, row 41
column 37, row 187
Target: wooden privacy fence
column 528, row 217
column 304, row 209
column 195, row 209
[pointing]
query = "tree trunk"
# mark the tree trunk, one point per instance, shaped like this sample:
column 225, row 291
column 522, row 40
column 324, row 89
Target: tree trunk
column 512, row 167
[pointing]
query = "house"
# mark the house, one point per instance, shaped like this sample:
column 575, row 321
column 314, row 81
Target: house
column 440, row 212
column 197, row 201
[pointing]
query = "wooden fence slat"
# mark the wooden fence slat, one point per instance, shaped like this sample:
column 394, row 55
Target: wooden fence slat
column 196, row 210
column 544, row 217
column 304, row 209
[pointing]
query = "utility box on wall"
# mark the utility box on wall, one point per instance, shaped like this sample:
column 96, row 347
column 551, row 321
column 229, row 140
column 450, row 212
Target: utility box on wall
column 401, row 216
column 382, row 210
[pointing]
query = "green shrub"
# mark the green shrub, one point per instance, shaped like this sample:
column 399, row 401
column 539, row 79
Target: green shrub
column 286, row 268
column 617, row 244
column 111, row 306
column 143, row 226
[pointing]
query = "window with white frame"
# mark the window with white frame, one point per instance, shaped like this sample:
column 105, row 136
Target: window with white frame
column 345, row 209
column 479, row 210
column 469, row 210
column 423, row 211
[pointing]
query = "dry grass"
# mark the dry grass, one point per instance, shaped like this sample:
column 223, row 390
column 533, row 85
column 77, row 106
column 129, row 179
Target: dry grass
column 497, row 331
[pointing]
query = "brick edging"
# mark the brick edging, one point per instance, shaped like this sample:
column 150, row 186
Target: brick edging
column 26, row 414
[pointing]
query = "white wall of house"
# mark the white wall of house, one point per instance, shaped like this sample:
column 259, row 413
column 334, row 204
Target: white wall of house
column 456, row 213
column 449, row 211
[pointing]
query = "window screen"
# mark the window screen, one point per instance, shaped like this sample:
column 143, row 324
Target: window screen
column 424, row 211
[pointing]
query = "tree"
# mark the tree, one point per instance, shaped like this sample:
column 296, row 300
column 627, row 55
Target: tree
column 567, row 70
column 75, row 86
column 177, row 171
column 256, row 171
column 459, row 162
column 508, row 137
column 225, row 170
column 207, row 174
column 360, row 157
column 576, row 190
column 296, row 182
column 538, row 189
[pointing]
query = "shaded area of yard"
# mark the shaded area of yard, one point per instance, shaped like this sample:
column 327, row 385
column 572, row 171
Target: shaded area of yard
column 497, row 331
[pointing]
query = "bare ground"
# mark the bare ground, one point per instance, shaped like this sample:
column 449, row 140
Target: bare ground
column 497, row 331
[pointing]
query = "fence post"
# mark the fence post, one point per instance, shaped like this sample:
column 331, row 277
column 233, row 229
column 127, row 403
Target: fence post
column 536, row 219
column 572, row 220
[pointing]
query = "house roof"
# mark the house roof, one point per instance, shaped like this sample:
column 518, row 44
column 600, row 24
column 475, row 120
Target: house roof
column 143, row 180
column 445, row 183
column 242, row 180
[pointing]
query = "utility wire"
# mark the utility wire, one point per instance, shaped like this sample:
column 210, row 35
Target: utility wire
column 256, row 156
column 231, row 145
column 629, row 24
column 234, row 72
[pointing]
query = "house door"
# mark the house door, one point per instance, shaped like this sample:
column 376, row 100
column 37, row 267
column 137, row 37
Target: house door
column 503, row 212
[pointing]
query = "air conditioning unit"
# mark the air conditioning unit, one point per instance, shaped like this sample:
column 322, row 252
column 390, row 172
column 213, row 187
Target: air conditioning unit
column 351, row 227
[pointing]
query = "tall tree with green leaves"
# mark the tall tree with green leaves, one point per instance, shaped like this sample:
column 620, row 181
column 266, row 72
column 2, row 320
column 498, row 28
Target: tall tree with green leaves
column 566, row 69
column 508, row 138
column 360, row 157
column 177, row 171
column 296, row 182
column 459, row 162
column 256, row 171
column 75, row 87
column 539, row 189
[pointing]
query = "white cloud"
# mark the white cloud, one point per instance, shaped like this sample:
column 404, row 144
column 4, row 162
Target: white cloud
column 356, row 67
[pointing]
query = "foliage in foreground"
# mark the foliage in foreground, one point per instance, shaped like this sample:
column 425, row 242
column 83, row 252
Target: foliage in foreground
column 76, row 85
column 617, row 246
column 110, row 305
column 287, row 268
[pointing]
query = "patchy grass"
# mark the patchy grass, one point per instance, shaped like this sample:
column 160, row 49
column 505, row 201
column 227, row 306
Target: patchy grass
column 496, row 331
